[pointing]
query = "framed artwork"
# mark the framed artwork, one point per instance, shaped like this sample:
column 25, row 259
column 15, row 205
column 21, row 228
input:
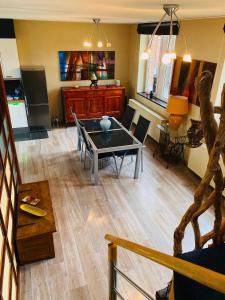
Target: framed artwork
column 183, row 78
column 79, row 65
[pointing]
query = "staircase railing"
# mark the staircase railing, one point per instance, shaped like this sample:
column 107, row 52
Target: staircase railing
column 200, row 274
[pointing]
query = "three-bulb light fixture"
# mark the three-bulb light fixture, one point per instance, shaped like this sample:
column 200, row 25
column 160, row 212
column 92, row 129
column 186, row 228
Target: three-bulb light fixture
column 101, row 36
column 170, row 55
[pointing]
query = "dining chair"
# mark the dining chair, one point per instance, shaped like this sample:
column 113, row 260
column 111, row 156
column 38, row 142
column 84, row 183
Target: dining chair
column 88, row 152
column 128, row 117
column 140, row 133
column 80, row 143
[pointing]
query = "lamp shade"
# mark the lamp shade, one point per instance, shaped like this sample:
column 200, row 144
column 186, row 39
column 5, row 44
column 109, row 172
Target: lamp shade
column 177, row 105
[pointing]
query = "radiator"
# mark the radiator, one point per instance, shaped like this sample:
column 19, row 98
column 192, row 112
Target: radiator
column 198, row 160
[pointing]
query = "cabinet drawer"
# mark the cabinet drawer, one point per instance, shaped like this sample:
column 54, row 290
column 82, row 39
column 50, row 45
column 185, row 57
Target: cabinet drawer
column 89, row 94
column 74, row 94
column 97, row 93
column 114, row 93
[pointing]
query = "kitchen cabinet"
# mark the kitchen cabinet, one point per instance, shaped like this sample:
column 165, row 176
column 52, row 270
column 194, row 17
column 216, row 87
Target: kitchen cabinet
column 9, row 59
column 18, row 114
column 89, row 102
column 77, row 104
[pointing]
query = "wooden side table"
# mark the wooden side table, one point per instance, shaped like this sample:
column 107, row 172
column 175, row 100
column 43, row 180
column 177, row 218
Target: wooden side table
column 171, row 145
column 34, row 235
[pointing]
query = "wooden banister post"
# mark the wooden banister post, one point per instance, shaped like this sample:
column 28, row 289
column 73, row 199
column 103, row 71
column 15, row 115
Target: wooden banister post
column 112, row 259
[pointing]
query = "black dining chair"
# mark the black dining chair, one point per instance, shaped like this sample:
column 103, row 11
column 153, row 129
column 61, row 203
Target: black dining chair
column 80, row 143
column 140, row 133
column 88, row 152
column 128, row 117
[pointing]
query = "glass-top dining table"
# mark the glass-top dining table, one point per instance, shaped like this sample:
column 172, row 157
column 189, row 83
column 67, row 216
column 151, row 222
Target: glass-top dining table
column 117, row 138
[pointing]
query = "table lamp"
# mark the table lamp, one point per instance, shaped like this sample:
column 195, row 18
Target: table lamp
column 177, row 107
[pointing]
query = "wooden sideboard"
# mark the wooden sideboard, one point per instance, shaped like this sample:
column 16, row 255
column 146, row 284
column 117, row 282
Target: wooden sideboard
column 93, row 102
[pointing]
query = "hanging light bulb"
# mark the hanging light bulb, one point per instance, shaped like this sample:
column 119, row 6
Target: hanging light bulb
column 166, row 59
column 87, row 44
column 144, row 55
column 187, row 58
column 97, row 35
column 100, row 44
column 173, row 55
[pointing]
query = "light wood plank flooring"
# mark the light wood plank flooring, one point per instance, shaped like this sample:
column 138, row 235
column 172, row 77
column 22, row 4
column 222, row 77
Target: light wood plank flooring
column 146, row 211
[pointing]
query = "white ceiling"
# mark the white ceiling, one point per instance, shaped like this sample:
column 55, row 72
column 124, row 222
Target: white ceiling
column 110, row 11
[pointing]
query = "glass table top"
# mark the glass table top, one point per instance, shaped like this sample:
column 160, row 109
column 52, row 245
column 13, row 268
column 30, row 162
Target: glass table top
column 110, row 139
column 94, row 124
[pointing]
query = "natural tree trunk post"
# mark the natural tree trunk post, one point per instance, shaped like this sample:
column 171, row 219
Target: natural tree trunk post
column 215, row 142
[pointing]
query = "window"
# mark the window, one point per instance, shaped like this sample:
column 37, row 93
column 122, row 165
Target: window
column 153, row 75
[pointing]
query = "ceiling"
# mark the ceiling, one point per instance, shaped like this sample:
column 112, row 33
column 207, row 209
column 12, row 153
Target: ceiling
column 110, row 11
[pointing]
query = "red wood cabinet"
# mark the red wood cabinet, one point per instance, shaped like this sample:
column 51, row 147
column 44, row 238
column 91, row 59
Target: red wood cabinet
column 93, row 102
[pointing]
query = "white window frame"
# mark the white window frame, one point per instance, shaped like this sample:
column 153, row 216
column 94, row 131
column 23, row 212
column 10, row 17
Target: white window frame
column 164, row 76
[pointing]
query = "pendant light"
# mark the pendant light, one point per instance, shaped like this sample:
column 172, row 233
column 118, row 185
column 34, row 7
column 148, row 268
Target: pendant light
column 98, row 34
column 169, row 56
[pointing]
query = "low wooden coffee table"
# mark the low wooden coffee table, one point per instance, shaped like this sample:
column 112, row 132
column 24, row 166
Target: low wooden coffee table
column 34, row 236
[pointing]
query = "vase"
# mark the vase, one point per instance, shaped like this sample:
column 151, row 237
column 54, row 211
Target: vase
column 117, row 82
column 105, row 123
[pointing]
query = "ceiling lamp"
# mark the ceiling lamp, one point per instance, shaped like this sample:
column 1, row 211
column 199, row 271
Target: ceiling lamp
column 99, row 35
column 169, row 56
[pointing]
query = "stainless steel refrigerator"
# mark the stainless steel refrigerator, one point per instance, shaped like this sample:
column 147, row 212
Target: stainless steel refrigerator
column 35, row 90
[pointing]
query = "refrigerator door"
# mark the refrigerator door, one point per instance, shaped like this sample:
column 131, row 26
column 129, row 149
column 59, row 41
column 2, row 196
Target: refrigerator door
column 35, row 90
column 38, row 117
column 34, row 84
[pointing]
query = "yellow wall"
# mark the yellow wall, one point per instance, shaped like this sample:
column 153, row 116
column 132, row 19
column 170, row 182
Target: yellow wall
column 38, row 43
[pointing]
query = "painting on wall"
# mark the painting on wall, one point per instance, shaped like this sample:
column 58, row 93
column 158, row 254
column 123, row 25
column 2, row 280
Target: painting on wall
column 183, row 78
column 79, row 65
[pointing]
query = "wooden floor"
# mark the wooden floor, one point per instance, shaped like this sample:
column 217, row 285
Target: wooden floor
column 146, row 211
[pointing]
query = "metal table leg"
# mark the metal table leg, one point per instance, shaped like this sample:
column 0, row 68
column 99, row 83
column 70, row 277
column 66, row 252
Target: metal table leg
column 78, row 141
column 95, row 167
column 137, row 164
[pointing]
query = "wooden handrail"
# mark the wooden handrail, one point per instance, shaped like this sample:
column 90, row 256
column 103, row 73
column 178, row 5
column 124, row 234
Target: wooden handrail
column 200, row 274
